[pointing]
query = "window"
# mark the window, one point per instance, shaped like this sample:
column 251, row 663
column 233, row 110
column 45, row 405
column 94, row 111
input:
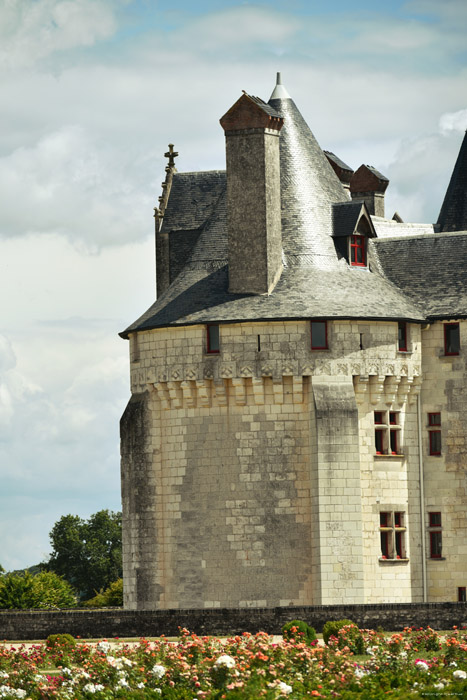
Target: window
column 402, row 336
column 434, row 434
column 357, row 250
column 461, row 594
column 319, row 335
column 212, row 344
column 436, row 535
column 451, row 339
column 392, row 534
column 387, row 433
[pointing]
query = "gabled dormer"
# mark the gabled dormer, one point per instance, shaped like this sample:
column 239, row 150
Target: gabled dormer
column 368, row 185
column 352, row 228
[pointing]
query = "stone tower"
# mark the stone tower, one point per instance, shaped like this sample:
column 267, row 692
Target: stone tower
column 282, row 444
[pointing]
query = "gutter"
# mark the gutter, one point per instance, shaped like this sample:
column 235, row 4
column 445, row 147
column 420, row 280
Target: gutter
column 422, row 499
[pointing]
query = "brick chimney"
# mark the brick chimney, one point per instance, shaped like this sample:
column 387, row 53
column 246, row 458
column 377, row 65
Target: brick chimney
column 368, row 185
column 253, row 195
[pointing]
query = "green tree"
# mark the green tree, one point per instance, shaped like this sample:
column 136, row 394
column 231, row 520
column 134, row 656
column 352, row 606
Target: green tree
column 44, row 590
column 87, row 553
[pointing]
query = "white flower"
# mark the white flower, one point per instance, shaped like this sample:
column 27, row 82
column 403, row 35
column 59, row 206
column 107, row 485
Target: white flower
column 225, row 660
column 104, row 647
column 360, row 672
column 140, row 685
column 422, row 665
column 123, row 683
column 439, row 686
column 453, row 663
column 127, row 662
column 158, row 670
column 67, row 671
column 284, row 688
column 93, row 688
column 460, row 675
column 3, row 674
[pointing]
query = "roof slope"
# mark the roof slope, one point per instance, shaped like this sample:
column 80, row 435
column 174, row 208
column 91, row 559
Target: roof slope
column 453, row 214
column 430, row 270
column 309, row 187
column 315, row 283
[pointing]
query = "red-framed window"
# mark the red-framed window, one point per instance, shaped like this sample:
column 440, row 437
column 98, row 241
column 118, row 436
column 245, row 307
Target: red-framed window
column 436, row 544
column 436, row 534
column 392, row 534
column 212, row 338
column 434, row 434
column 461, row 594
column 387, row 433
column 435, row 443
column 451, row 339
column 319, row 335
column 402, row 336
column 358, row 250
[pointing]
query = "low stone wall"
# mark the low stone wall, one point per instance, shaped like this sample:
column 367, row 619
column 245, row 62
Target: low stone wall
column 115, row 622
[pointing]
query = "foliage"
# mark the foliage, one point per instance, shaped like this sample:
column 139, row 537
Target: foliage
column 299, row 629
column 60, row 640
column 244, row 667
column 111, row 597
column 348, row 637
column 44, row 590
column 87, row 553
column 332, row 627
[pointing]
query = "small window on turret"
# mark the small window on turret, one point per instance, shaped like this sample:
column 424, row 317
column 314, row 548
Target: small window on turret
column 319, row 335
column 358, row 250
column 212, row 338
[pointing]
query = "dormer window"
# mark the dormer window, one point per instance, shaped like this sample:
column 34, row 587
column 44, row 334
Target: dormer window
column 358, row 250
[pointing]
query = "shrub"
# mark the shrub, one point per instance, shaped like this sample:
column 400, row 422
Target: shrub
column 64, row 641
column 298, row 628
column 332, row 627
column 351, row 637
column 111, row 597
column 43, row 590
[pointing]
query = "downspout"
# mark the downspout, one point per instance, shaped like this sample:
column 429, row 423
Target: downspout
column 422, row 498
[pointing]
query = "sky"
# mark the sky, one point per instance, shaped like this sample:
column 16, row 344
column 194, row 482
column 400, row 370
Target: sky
column 92, row 92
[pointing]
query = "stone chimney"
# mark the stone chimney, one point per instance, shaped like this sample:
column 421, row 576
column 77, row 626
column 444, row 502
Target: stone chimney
column 342, row 170
column 253, row 195
column 368, row 185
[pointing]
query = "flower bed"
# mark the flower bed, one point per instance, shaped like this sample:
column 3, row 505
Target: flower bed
column 411, row 664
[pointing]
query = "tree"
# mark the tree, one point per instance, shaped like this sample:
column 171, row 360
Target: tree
column 87, row 553
column 44, row 590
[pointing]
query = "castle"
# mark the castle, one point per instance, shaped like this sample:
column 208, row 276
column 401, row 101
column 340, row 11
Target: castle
column 297, row 430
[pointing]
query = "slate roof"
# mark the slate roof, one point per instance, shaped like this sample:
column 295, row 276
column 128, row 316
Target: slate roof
column 346, row 216
column 389, row 228
column 316, row 281
column 430, row 270
column 453, row 214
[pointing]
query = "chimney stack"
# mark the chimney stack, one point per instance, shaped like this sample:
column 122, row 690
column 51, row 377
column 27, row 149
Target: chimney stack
column 253, row 195
column 368, row 185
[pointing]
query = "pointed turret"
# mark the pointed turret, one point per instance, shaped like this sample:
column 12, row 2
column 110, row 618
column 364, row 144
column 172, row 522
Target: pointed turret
column 309, row 188
column 453, row 214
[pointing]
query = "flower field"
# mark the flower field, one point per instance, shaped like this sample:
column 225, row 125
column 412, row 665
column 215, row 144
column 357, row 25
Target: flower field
column 416, row 663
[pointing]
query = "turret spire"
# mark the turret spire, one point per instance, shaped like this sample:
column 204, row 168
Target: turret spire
column 279, row 91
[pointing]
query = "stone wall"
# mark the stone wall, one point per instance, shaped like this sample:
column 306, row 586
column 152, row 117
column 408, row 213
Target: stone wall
column 35, row 625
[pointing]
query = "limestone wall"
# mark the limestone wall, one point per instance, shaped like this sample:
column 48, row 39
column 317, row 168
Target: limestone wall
column 260, row 467
column 443, row 391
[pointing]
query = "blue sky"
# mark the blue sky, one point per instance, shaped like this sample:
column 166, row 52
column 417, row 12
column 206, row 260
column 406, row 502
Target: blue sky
column 92, row 93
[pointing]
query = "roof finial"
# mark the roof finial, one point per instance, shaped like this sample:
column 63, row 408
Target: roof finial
column 279, row 91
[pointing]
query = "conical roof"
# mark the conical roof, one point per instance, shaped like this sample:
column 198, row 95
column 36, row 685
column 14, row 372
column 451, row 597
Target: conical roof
column 309, row 188
column 453, row 214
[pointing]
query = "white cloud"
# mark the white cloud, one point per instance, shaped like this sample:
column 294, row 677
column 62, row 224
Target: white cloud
column 453, row 121
column 32, row 30
column 71, row 185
